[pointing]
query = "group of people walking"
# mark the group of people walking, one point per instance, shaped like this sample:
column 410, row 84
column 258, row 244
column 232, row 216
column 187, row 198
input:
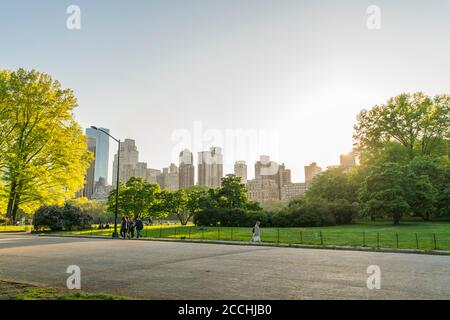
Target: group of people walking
column 128, row 227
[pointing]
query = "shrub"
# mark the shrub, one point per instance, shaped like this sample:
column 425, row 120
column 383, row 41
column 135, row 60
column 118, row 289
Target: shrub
column 61, row 218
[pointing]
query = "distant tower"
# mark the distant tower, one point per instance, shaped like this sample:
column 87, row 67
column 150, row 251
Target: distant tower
column 129, row 158
column 348, row 160
column 101, row 152
column 240, row 170
column 89, row 185
column 311, row 171
column 186, row 169
column 210, row 167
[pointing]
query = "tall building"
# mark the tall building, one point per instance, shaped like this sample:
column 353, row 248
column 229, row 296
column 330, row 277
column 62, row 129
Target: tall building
column 263, row 191
column 89, row 184
column 240, row 170
column 101, row 152
column 311, row 172
column 348, row 160
column 169, row 178
column 292, row 191
column 129, row 158
column 186, row 169
column 266, row 169
column 210, row 167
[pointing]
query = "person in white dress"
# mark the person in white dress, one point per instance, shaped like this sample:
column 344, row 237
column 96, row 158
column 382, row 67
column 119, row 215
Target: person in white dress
column 256, row 232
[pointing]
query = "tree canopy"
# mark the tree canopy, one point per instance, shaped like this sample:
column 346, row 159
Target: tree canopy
column 43, row 151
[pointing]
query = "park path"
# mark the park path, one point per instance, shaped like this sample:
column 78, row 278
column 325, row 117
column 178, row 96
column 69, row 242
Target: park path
column 170, row 270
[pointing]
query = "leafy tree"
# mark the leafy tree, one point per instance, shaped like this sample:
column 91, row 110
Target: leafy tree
column 333, row 184
column 43, row 151
column 421, row 196
column 383, row 192
column 96, row 209
column 59, row 218
column 419, row 123
column 233, row 194
column 175, row 203
column 136, row 198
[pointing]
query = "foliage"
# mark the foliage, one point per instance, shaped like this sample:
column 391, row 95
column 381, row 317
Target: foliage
column 43, row 151
column 137, row 198
column 418, row 122
column 96, row 209
column 59, row 218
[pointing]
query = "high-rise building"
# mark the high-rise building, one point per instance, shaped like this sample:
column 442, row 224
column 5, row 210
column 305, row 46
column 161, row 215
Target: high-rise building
column 186, row 169
column 129, row 158
column 292, row 191
column 263, row 191
column 89, row 184
column 311, row 172
column 348, row 160
column 101, row 152
column 210, row 167
column 266, row 169
column 169, row 178
column 240, row 170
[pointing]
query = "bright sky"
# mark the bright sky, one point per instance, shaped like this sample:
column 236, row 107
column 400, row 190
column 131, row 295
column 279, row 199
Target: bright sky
column 296, row 71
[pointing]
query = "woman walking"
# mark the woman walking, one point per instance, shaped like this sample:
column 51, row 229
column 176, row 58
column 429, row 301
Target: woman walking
column 124, row 227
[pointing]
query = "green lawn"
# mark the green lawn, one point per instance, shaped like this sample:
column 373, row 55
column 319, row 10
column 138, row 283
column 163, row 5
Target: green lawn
column 14, row 228
column 408, row 235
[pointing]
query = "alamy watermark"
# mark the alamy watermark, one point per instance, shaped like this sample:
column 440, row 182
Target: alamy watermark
column 374, row 280
column 74, row 280
column 374, row 19
column 73, row 22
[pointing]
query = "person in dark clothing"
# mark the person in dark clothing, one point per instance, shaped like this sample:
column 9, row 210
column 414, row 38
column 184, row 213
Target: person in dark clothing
column 124, row 227
column 131, row 227
column 139, row 227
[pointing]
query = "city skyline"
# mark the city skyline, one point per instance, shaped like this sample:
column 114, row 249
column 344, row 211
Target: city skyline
column 289, row 67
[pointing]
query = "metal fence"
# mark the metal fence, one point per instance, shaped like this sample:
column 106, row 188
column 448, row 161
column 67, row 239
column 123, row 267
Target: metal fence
column 369, row 239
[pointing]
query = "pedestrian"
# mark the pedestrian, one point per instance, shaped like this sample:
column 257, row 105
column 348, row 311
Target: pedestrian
column 124, row 227
column 256, row 232
column 131, row 229
column 139, row 227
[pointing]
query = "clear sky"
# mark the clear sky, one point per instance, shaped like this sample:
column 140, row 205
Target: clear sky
column 296, row 71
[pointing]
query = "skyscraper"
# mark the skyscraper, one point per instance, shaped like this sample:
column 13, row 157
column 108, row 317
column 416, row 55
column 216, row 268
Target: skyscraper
column 129, row 158
column 240, row 170
column 186, row 170
column 311, row 171
column 348, row 160
column 89, row 184
column 210, row 167
column 101, row 152
column 169, row 178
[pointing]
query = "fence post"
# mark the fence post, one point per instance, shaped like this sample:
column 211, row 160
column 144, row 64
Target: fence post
column 231, row 233
column 278, row 235
column 364, row 239
column 146, row 232
column 175, row 228
column 321, row 238
column 160, row 231
column 190, row 232
column 396, row 238
column 218, row 233
column 203, row 234
column 378, row 240
column 434, row 239
column 417, row 241
column 301, row 237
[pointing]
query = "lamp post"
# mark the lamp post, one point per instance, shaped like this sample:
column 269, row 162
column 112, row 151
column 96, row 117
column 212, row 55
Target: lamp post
column 115, row 234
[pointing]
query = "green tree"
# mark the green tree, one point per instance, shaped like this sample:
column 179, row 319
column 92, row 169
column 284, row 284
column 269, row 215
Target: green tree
column 98, row 210
column 383, row 192
column 174, row 203
column 43, row 151
column 419, row 123
column 233, row 195
column 137, row 198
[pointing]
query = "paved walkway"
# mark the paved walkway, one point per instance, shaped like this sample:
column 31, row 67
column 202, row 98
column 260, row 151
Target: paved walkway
column 169, row 270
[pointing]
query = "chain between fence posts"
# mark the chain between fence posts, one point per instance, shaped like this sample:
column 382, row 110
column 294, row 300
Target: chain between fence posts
column 321, row 238
column 434, row 239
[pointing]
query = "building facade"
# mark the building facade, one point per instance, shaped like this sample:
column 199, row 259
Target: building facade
column 240, row 170
column 311, row 172
column 210, row 167
column 186, row 169
column 101, row 152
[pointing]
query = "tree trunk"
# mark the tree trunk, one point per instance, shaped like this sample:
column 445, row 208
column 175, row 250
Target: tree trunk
column 396, row 219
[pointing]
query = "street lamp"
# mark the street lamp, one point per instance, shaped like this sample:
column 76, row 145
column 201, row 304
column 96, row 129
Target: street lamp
column 115, row 234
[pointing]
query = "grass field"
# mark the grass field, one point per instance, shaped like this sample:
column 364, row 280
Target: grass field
column 408, row 235
column 14, row 228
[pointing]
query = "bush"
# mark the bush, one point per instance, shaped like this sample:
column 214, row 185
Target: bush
column 61, row 218
column 298, row 214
